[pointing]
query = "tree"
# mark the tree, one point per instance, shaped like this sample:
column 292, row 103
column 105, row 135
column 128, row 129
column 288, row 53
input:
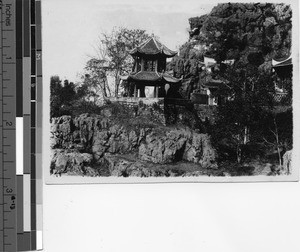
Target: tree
column 62, row 96
column 277, row 131
column 244, row 31
column 87, row 90
column 55, row 97
column 68, row 92
column 112, row 57
column 249, row 93
column 94, row 81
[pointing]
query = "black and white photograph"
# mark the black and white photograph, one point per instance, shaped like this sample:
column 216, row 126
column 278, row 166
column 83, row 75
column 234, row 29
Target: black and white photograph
column 197, row 92
column 144, row 126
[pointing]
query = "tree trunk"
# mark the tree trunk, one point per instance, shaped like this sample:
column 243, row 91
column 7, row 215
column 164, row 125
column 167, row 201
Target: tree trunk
column 117, row 83
column 279, row 156
column 107, row 86
column 245, row 135
column 104, row 88
column 238, row 154
column 277, row 142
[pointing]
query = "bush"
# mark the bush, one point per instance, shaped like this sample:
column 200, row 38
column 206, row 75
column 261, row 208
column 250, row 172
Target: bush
column 82, row 107
column 66, row 99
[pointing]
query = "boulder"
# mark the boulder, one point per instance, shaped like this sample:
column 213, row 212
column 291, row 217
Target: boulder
column 70, row 162
column 178, row 145
column 120, row 166
column 61, row 132
column 162, row 149
column 100, row 143
column 117, row 166
column 287, row 163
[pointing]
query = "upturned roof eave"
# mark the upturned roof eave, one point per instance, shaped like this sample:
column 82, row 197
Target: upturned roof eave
column 135, row 76
column 138, row 53
column 158, row 77
column 284, row 62
column 159, row 48
column 170, row 79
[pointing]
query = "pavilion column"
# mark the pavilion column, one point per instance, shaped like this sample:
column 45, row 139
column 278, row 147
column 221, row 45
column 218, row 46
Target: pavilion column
column 142, row 64
column 134, row 92
column 156, row 91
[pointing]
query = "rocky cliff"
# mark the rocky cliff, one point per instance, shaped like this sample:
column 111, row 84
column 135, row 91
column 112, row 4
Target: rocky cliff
column 244, row 29
column 251, row 33
column 98, row 145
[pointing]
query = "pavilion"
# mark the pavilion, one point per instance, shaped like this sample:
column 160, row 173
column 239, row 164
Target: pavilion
column 283, row 67
column 149, row 77
column 284, row 71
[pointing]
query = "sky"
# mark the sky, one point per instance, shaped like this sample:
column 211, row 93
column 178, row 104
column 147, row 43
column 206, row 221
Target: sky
column 71, row 27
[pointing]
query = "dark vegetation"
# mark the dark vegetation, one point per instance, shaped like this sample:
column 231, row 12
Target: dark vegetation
column 68, row 99
column 252, row 124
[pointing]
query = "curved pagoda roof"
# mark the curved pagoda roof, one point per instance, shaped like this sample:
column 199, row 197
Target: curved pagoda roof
column 152, row 47
column 281, row 63
column 151, row 76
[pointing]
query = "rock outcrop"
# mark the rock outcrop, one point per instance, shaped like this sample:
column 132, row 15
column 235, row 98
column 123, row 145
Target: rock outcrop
column 72, row 163
column 93, row 134
column 249, row 33
column 124, row 167
column 84, row 144
column 178, row 145
column 247, row 27
column 287, row 163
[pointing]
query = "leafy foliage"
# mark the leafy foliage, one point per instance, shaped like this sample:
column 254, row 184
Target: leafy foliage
column 249, row 33
column 61, row 96
column 69, row 99
column 112, row 58
column 252, row 34
column 55, row 98
column 238, row 30
column 250, row 93
column 276, row 131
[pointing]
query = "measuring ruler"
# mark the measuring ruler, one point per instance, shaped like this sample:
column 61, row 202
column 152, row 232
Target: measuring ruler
column 8, row 195
column 20, row 125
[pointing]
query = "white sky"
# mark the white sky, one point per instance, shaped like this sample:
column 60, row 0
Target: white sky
column 71, row 27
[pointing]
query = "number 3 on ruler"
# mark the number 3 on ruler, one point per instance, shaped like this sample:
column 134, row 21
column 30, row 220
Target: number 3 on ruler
column 38, row 56
column 9, row 190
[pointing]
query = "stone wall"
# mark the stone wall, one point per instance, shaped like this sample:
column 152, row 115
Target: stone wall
column 170, row 111
column 136, row 100
column 144, row 106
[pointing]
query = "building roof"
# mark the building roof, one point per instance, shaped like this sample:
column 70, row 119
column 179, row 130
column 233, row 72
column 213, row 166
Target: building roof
column 151, row 76
column 145, row 76
column 170, row 78
column 285, row 62
column 152, row 47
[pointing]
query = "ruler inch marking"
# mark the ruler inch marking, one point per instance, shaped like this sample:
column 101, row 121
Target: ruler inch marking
column 21, row 102
column 8, row 88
